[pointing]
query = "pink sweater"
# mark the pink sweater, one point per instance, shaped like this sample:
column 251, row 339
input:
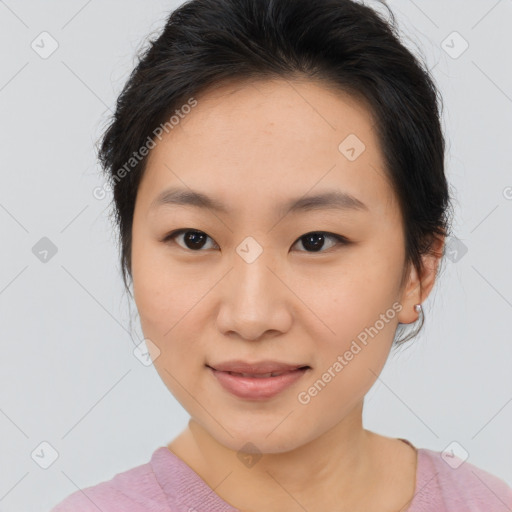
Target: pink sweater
column 167, row 484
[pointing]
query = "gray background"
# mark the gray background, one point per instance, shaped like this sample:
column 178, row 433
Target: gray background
column 68, row 373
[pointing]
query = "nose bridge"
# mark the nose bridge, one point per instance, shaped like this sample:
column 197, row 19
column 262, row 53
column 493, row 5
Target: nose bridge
column 253, row 299
column 252, row 280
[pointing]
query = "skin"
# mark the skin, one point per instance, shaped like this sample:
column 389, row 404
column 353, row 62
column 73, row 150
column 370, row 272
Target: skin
column 254, row 146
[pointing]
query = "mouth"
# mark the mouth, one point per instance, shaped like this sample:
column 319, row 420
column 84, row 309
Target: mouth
column 252, row 385
column 262, row 375
column 264, row 368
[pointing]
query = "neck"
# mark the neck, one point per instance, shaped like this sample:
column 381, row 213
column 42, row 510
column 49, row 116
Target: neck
column 339, row 459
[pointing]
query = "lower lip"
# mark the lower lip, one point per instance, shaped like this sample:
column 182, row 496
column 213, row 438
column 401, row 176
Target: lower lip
column 254, row 388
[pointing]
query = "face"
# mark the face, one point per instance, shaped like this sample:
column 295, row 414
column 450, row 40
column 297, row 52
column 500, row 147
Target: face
column 256, row 280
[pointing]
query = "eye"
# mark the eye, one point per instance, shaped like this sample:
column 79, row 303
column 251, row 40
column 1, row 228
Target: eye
column 316, row 239
column 196, row 240
column 192, row 239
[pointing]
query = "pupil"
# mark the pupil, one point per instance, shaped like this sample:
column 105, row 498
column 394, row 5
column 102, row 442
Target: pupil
column 316, row 239
column 195, row 237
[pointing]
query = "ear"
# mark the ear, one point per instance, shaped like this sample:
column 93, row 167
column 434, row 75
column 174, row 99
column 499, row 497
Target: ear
column 413, row 293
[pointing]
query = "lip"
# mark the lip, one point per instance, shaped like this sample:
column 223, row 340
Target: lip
column 257, row 388
column 257, row 367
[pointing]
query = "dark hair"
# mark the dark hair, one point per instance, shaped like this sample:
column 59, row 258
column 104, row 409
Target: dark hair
column 342, row 43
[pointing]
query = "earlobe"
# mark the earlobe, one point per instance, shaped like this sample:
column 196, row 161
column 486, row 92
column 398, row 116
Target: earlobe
column 417, row 290
column 411, row 298
column 419, row 309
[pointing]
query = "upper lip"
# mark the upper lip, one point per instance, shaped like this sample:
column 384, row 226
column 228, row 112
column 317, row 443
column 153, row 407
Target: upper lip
column 259, row 367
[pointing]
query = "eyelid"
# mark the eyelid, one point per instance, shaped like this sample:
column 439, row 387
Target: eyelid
column 340, row 239
column 173, row 234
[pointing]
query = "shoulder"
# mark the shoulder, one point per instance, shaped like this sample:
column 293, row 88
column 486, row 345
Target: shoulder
column 456, row 485
column 134, row 490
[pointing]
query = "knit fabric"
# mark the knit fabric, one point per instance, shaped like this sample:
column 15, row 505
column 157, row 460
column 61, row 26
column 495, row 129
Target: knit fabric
column 167, row 484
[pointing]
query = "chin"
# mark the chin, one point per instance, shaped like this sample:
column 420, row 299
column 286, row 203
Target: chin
column 258, row 441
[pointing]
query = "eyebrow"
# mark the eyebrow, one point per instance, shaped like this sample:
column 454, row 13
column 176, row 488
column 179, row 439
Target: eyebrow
column 329, row 200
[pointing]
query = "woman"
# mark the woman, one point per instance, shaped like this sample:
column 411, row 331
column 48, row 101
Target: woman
column 279, row 185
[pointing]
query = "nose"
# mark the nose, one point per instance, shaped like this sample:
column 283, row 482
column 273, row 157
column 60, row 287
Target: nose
column 254, row 300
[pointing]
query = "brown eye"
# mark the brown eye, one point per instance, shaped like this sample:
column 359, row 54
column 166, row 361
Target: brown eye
column 314, row 241
column 191, row 239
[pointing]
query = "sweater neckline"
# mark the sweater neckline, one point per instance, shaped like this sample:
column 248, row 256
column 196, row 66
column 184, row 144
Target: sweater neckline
column 200, row 496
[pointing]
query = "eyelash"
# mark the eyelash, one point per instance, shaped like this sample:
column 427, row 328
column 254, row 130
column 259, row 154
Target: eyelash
column 341, row 240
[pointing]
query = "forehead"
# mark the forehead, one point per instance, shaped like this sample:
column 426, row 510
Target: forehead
column 299, row 110
column 250, row 143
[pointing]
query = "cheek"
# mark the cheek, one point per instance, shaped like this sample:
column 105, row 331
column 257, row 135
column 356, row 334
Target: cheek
column 358, row 309
column 166, row 308
column 169, row 306
column 166, row 318
column 351, row 296
column 349, row 361
column 162, row 294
